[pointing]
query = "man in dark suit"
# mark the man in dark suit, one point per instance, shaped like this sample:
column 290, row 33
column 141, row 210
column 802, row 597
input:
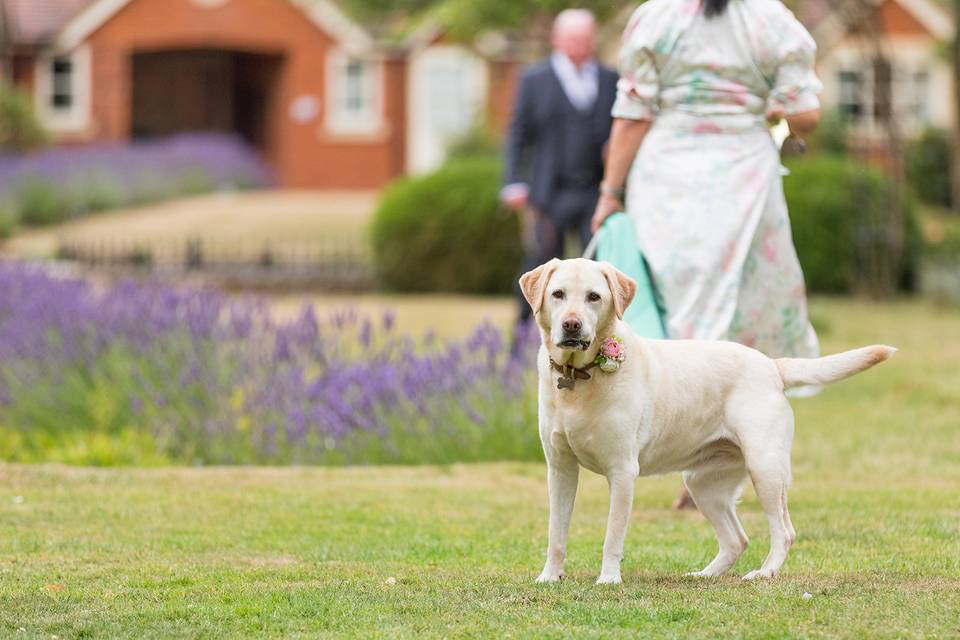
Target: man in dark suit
column 556, row 142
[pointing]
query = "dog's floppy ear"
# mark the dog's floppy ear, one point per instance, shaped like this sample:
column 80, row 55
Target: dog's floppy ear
column 532, row 284
column 622, row 286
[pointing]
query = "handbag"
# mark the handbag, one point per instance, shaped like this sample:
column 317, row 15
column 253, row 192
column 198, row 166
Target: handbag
column 616, row 243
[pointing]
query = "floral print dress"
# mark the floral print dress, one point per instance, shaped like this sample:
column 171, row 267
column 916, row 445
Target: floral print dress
column 705, row 191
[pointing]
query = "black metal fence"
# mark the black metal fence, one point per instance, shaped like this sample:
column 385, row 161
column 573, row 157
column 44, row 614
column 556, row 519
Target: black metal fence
column 335, row 263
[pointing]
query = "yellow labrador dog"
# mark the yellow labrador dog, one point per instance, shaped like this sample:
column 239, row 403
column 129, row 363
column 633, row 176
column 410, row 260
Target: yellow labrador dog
column 714, row 410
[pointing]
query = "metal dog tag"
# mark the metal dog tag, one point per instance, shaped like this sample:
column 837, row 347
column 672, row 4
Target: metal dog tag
column 566, row 382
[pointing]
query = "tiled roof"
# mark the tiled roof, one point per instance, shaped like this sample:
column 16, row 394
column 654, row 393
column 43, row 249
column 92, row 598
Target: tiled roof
column 37, row 21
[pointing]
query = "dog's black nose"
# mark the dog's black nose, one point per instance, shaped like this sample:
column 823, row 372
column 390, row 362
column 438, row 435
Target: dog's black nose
column 572, row 325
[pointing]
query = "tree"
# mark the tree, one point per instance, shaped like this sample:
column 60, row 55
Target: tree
column 465, row 20
column 880, row 237
column 956, row 105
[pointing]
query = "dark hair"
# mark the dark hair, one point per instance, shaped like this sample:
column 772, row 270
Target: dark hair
column 714, row 7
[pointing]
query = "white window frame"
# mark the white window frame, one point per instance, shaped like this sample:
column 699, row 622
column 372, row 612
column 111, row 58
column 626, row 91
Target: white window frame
column 909, row 107
column 75, row 117
column 863, row 100
column 912, row 97
column 339, row 119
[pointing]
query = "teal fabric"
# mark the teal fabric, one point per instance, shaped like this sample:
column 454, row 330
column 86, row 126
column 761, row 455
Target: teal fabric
column 617, row 245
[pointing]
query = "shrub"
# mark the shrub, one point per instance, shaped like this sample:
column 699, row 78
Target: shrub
column 928, row 163
column 834, row 204
column 56, row 184
column 19, row 128
column 479, row 141
column 831, row 134
column 447, row 232
column 41, row 203
column 9, row 216
column 130, row 373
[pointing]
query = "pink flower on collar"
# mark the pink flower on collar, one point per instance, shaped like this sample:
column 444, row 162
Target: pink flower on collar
column 612, row 354
column 613, row 349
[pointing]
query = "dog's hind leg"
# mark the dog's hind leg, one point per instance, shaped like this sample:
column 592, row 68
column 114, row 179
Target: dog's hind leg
column 715, row 492
column 769, row 469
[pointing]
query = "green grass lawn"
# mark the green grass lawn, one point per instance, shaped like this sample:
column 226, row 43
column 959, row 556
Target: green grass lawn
column 263, row 552
column 244, row 221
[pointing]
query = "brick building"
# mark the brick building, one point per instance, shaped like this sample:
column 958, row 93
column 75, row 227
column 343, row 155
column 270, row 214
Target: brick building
column 910, row 82
column 329, row 103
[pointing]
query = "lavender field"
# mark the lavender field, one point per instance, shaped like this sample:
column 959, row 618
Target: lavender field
column 150, row 374
column 54, row 185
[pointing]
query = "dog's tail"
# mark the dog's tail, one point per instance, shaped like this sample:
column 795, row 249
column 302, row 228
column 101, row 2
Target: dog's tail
column 820, row 371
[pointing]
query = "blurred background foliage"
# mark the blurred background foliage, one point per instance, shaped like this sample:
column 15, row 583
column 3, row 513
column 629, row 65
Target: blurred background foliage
column 20, row 130
column 463, row 20
column 446, row 232
column 835, row 200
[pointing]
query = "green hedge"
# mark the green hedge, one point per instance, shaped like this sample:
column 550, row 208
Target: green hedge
column 19, row 128
column 447, row 232
column 832, row 202
column 928, row 162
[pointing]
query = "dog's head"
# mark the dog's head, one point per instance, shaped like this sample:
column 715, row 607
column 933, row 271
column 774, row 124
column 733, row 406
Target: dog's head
column 576, row 300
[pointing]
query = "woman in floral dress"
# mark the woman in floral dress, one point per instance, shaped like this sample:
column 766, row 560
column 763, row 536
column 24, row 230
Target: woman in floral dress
column 700, row 81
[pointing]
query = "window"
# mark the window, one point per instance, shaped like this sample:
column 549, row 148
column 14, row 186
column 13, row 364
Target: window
column 918, row 93
column 851, row 94
column 61, row 76
column 63, row 90
column 882, row 90
column 354, row 100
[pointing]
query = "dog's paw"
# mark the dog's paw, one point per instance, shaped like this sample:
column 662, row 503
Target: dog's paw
column 701, row 574
column 549, row 576
column 609, row 578
column 760, row 574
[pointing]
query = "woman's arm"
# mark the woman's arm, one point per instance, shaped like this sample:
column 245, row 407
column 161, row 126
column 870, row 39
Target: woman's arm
column 626, row 137
column 804, row 123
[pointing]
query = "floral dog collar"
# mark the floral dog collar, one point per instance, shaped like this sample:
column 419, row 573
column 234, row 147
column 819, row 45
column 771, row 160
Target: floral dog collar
column 612, row 355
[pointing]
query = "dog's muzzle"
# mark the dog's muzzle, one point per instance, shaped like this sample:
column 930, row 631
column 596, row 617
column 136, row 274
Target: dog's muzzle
column 572, row 334
column 574, row 342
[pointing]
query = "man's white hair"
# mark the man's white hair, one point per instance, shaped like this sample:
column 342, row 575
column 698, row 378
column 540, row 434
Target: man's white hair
column 573, row 18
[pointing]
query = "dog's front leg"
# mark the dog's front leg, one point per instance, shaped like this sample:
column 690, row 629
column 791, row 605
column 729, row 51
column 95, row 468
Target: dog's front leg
column 562, row 477
column 621, row 503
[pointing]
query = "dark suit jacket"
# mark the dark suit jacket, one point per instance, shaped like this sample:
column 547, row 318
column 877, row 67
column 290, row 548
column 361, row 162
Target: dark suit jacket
column 534, row 141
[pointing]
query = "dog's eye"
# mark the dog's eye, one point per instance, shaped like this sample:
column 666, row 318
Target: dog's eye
column 593, row 296
column 558, row 294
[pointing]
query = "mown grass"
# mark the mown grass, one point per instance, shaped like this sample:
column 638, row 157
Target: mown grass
column 245, row 221
column 298, row 552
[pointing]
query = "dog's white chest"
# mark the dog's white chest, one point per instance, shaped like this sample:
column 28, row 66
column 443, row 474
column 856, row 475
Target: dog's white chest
column 598, row 440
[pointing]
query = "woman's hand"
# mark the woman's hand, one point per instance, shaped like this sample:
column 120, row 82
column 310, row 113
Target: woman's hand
column 626, row 136
column 606, row 205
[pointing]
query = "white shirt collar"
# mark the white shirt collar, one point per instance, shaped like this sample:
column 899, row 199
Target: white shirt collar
column 580, row 85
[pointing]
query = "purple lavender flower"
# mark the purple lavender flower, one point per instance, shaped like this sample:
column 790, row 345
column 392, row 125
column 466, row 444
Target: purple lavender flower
column 219, row 380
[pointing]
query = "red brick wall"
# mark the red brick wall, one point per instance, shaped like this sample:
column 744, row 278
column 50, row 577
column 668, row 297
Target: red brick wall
column 895, row 20
column 503, row 85
column 23, row 70
column 304, row 154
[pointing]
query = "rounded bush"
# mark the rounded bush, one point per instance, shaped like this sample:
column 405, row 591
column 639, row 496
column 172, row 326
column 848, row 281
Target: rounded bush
column 42, row 202
column 9, row 216
column 836, row 208
column 447, row 232
column 20, row 130
column 928, row 162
